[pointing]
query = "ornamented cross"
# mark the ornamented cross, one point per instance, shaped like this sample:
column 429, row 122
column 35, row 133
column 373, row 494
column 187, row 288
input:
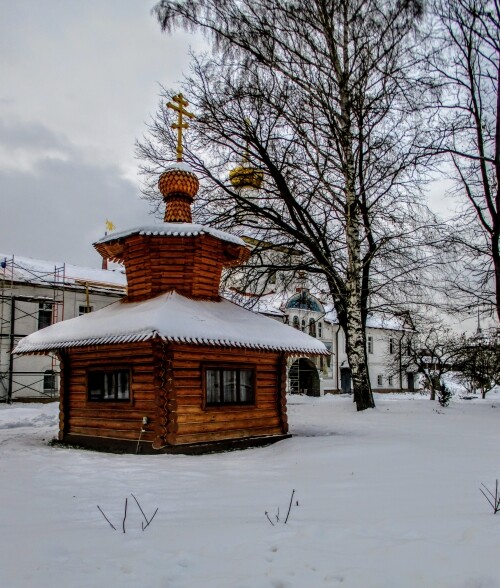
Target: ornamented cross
column 179, row 107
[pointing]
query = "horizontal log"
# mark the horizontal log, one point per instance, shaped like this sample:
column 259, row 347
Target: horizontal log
column 231, row 425
column 122, row 424
column 221, row 435
column 131, row 414
column 226, row 415
column 195, row 406
column 111, row 433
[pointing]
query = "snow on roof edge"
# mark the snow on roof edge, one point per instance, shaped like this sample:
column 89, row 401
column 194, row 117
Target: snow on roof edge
column 173, row 229
column 26, row 349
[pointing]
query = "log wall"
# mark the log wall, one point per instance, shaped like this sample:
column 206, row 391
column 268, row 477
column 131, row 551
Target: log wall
column 192, row 422
column 167, row 387
column 191, row 266
column 116, row 420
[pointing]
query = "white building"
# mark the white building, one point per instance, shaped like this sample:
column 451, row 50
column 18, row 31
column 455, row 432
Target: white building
column 33, row 295
column 386, row 344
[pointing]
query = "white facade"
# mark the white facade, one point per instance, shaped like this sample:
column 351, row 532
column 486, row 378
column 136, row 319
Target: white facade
column 386, row 342
column 385, row 345
column 34, row 294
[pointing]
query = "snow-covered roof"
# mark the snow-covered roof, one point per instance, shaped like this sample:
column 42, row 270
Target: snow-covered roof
column 174, row 318
column 174, row 230
column 58, row 273
column 268, row 304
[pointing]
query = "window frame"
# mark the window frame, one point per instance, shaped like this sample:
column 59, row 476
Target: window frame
column 391, row 345
column 104, row 370
column 312, row 327
column 43, row 308
column 53, row 379
column 380, row 380
column 228, row 367
column 390, row 381
column 369, row 343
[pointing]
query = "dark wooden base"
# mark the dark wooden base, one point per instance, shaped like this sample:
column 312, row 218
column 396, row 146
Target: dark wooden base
column 109, row 445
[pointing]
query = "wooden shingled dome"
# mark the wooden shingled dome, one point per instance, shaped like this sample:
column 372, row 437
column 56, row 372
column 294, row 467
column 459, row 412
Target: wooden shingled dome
column 178, row 186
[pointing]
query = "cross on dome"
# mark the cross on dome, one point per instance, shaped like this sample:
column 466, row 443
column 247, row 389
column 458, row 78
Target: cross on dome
column 179, row 107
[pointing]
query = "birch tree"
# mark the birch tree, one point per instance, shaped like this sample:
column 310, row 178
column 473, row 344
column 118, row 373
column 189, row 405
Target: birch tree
column 328, row 87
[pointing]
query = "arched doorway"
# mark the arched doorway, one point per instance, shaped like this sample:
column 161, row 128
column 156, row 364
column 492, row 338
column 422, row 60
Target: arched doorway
column 304, row 377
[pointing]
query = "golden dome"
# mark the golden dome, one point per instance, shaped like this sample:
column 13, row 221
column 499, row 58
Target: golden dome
column 246, row 177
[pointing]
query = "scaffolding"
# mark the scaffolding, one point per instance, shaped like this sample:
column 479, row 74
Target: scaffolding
column 17, row 302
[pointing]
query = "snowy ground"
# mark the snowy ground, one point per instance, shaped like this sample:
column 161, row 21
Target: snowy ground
column 387, row 498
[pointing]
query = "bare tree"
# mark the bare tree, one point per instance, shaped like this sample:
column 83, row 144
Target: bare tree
column 478, row 362
column 432, row 350
column 468, row 66
column 331, row 94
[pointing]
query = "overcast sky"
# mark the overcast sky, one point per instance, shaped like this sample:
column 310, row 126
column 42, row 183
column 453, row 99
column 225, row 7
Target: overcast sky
column 78, row 81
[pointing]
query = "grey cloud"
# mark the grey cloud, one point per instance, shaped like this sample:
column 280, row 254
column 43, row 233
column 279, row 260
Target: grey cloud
column 58, row 213
column 31, row 135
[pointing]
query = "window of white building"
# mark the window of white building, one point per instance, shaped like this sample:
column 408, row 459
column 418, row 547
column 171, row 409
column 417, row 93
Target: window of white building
column 369, row 341
column 49, row 381
column 380, row 380
column 44, row 314
column 391, row 345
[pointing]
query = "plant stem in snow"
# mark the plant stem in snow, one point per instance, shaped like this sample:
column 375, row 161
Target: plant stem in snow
column 137, row 502
column 125, row 515
column 290, row 507
column 111, row 525
column 149, row 522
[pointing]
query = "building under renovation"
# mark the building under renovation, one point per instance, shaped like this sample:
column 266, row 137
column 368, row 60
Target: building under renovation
column 33, row 295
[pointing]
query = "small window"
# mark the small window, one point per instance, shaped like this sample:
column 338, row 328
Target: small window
column 112, row 385
column 369, row 341
column 229, row 386
column 303, row 324
column 320, row 330
column 380, row 380
column 391, row 345
column 44, row 314
column 389, row 380
column 49, row 381
column 296, row 322
column 312, row 327
column 84, row 309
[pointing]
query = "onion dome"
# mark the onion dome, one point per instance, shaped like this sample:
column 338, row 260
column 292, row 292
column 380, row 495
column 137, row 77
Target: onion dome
column 179, row 185
column 244, row 176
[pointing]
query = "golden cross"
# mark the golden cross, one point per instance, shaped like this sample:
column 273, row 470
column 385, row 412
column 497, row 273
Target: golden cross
column 178, row 107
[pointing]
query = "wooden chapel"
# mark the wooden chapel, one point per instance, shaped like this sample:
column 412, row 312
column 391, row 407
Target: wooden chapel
column 173, row 367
